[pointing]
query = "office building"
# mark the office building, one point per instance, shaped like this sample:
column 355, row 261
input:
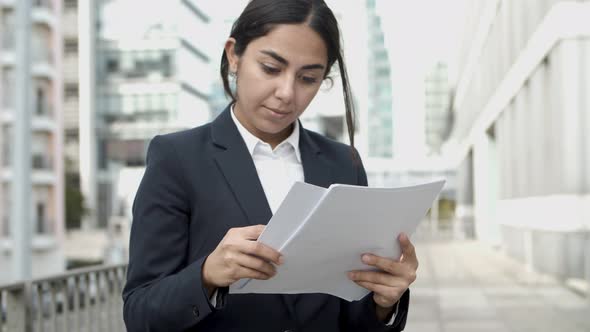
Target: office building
column 46, row 140
column 148, row 78
column 521, row 128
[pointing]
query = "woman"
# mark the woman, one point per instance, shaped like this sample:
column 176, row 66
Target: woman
column 208, row 192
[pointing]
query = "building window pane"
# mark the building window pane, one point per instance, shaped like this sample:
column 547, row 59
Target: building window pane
column 8, row 88
column 71, row 90
column 5, row 212
column 40, row 218
column 71, row 46
column 7, row 26
column 71, row 4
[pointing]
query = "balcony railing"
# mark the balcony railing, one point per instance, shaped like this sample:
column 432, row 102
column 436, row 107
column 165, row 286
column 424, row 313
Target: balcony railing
column 80, row 300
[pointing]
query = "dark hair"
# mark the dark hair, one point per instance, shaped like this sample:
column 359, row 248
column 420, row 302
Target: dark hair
column 261, row 16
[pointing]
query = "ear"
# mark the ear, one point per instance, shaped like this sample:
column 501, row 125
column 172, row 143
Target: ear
column 230, row 53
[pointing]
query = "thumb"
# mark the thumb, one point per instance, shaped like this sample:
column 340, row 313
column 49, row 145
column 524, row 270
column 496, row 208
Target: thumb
column 253, row 232
column 408, row 250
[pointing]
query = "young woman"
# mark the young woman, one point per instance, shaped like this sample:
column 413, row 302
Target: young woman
column 208, row 192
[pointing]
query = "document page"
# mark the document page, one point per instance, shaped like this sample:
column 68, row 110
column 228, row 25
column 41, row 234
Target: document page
column 345, row 222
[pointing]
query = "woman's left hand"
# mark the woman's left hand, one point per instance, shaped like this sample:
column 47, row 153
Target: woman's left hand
column 393, row 278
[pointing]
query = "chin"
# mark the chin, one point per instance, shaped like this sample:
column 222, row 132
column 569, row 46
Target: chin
column 274, row 128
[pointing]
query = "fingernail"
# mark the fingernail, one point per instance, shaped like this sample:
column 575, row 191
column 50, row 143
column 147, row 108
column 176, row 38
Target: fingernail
column 366, row 259
column 281, row 260
column 351, row 275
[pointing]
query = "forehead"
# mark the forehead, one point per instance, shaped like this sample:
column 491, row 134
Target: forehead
column 297, row 43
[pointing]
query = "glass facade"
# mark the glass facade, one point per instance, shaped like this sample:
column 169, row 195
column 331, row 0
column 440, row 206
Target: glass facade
column 380, row 117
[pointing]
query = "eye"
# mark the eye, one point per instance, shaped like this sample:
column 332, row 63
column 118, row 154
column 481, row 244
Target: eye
column 308, row 79
column 269, row 70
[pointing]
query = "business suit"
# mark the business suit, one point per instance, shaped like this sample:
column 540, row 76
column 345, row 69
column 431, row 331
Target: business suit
column 197, row 185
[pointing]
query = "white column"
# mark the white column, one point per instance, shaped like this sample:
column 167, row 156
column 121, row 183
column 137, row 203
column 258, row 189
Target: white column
column 20, row 213
column 570, row 112
column 87, row 115
column 58, row 147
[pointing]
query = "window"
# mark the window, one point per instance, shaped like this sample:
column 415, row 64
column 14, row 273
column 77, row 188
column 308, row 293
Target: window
column 6, row 147
column 71, row 46
column 40, row 102
column 71, row 90
column 112, row 65
column 8, row 81
column 7, row 27
column 42, row 3
column 70, row 4
column 41, row 222
column 5, row 212
column 72, row 135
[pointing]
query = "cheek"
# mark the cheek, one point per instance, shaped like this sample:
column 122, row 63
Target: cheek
column 305, row 97
column 255, row 88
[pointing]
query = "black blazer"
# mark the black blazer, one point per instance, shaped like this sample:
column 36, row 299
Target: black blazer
column 197, row 185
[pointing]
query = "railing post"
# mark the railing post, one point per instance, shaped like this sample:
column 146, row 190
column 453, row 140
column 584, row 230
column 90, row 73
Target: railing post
column 587, row 265
column 16, row 310
column 77, row 322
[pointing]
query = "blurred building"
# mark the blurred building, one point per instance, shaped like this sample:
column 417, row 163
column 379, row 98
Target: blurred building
column 46, row 142
column 369, row 77
column 327, row 113
column 521, row 126
column 148, row 78
column 380, row 111
column 71, row 88
column 437, row 93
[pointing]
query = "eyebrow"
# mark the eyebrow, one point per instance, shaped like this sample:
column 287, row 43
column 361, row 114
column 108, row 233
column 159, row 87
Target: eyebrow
column 284, row 61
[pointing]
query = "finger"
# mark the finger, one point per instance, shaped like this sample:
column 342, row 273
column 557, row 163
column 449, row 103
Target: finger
column 254, row 263
column 386, row 264
column 246, row 273
column 384, row 296
column 263, row 251
column 377, row 277
column 408, row 250
column 252, row 232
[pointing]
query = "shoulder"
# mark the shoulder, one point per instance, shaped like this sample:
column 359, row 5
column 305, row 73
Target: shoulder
column 182, row 137
column 333, row 149
column 184, row 140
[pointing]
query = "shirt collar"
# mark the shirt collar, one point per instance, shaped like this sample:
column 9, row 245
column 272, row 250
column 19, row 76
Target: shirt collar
column 252, row 141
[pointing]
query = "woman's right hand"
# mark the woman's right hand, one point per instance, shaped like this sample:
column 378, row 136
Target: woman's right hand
column 238, row 256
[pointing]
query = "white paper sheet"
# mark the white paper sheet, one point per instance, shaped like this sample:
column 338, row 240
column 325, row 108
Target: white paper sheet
column 322, row 234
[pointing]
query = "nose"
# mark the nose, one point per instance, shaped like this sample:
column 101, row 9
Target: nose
column 285, row 89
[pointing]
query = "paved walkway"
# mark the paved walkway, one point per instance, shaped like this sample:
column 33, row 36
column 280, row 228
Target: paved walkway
column 465, row 286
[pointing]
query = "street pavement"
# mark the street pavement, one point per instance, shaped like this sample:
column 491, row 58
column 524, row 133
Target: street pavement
column 466, row 286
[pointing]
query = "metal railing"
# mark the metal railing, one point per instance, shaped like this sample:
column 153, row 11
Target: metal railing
column 80, row 300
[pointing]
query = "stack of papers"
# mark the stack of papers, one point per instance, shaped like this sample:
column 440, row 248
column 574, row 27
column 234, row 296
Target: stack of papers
column 322, row 234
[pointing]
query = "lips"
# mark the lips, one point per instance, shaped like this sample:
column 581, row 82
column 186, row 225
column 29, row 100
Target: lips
column 279, row 112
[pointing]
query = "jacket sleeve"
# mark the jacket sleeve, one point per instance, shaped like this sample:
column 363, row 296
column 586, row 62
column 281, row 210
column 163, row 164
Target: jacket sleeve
column 163, row 292
column 361, row 315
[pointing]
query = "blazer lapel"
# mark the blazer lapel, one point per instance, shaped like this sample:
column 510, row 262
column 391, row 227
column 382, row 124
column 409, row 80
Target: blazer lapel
column 237, row 166
column 316, row 168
